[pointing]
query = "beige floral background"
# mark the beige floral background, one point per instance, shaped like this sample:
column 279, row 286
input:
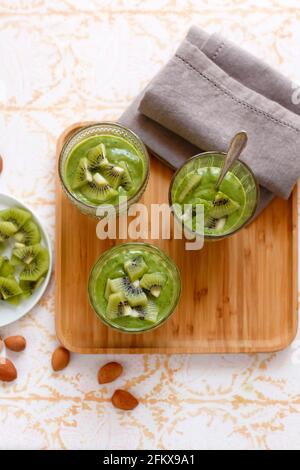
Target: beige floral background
column 64, row 61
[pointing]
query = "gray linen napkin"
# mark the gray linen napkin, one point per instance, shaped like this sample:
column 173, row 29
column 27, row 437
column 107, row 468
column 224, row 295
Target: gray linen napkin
column 209, row 90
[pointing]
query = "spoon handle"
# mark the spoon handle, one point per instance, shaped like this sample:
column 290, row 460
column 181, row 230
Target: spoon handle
column 236, row 147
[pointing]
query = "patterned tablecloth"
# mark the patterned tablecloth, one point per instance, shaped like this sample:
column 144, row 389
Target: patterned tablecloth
column 64, row 61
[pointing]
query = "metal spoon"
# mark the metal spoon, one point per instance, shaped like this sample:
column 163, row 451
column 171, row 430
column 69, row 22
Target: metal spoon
column 236, row 147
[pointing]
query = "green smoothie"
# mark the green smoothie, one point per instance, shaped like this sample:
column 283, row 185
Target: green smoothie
column 101, row 168
column 134, row 287
column 227, row 208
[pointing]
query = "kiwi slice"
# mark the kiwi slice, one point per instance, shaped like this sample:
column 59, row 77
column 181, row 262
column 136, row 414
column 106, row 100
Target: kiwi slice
column 96, row 156
column 37, row 268
column 14, row 300
column 9, row 288
column 215, row 224
column 99, row 189
column 28, row 287
column 6, row 267
column 153, row 282
column 223, row 206
column 135, row 268
column 135, row 295
column 113, row 174
column 7, row 229
column 108, row 290
column 16, row 216
column 189, row 183
column 126, row 180
column 147, row 312
column 82, row 175
column 117, row 306
column 26, row 254
column 29, row 234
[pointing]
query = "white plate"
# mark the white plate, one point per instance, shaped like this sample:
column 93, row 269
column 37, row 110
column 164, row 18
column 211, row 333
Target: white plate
column 10, row 313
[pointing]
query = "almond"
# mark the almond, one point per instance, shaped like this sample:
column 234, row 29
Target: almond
column 124, row 400
column 1, row 164
column 15, row 343
column 60, row 359
column 8, row 372
column 109, row 372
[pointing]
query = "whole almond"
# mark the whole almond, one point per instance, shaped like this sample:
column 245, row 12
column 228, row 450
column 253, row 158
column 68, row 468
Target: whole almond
column 109, row 372
column 15, row 343
column 1, row 164
column 124, row 400
column 8, row 372
column 60, row 359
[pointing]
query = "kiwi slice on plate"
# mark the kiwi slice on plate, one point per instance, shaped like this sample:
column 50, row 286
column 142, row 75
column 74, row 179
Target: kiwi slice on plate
column 6, row 267
column 147, row 312
column 126, row 180
column 29, row 234
column 99, row 189
column 117, row 306
column 9, row 288
column 28, row 287
column 16, row 216
column 82, row 175
column 135, row 268
column 153, row 282
column 189, row 183
column 96, row 156
column 134, row 294
column 223, row 206
column 7, row 229
column 26, row 254
column 113, row 174
column 37, row 268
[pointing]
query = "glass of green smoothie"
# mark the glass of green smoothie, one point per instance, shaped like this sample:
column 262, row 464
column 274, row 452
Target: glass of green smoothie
column 134, row 287
column 100, row 163
column 227, row 209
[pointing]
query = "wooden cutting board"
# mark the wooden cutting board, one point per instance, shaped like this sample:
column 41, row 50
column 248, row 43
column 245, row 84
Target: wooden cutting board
column 239, row 294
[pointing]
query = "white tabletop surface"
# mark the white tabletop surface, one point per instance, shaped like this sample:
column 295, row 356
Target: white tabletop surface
column 64, row 61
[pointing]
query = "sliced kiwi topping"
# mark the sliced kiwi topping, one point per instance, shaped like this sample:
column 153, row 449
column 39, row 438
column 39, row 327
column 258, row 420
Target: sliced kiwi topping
column 98, row 179
column 99, row 189
column 96, row 157
column 223, row 206
column 148, row 312
column 118, row 306
column 215, row 224
column 134, row 295
column 189, row 183
column 113, row 174
column 135, row 268
column 83, row 174
column 153, row 283
column 29, row 260
column 126, row 180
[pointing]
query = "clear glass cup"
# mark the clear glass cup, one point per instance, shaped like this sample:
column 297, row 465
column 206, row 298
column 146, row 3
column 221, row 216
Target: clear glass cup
column 107, row 129
column 95, row 284
column 239, row 169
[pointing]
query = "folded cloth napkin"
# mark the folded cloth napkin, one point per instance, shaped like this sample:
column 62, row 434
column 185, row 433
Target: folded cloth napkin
column 206, row 93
